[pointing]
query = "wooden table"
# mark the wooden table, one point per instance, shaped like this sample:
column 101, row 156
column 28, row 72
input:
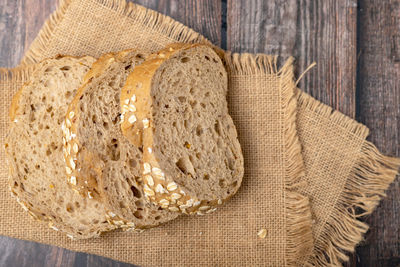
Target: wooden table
column 356, row 45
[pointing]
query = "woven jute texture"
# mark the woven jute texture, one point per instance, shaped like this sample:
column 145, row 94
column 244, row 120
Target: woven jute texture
column 299, row 154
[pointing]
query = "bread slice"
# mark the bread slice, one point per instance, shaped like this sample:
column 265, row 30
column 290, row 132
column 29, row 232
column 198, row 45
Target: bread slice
column 34, row 150
column 101, row 162
column 174, row 104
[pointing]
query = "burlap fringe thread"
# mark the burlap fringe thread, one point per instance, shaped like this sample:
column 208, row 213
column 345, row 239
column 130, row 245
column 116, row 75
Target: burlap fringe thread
column 18, row 74
column 370, row 177
column 298, row 214
column 151, row 19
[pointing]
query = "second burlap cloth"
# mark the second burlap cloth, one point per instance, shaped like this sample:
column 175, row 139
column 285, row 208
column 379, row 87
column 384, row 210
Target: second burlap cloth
column 298, row 154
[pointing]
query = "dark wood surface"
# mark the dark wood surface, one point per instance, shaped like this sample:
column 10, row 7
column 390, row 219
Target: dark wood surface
column 356, row 45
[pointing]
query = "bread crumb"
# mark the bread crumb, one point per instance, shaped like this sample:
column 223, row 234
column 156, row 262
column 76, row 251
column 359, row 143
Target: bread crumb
column 262, row 233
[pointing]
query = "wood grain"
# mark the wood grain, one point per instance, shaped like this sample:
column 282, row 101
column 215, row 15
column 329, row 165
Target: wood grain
column 202, row 16
column 20, row 22
column 320, row 31
column 378, row 96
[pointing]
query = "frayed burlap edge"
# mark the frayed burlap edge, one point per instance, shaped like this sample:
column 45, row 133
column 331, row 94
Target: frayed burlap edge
column 18, row 74
column 370, row 176
column 151, row 19
column 299, row 239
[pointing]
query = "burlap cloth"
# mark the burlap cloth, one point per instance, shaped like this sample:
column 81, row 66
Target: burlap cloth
column 309, row 172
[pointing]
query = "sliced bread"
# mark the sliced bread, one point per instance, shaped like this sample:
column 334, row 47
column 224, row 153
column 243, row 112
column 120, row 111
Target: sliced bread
column 101, row 162
column 34, row 150
column 174, row 105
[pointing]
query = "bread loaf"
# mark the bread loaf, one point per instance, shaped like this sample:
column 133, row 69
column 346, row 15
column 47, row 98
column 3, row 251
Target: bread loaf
column 34, row 150
column 174, row 106
column 101, row 162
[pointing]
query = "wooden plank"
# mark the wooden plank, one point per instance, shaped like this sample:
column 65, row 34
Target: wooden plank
column 20, row 21
column 378, row 91
column 202, row 16
column 320, row 31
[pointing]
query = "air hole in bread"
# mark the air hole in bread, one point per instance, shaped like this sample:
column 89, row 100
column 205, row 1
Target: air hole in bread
column 128, row 66
column 185, row 59
column 16, row 184
column 206, row 57
column 26, row 170
column 49, row 69
column 95, row 221
column 21, row 185
column 111, row 84
column 222, row 183
column 116, row 119
column 94, row 118
column 139, row 57
column 207, row 94
column 132, row 163
column 65, row 68
column 105, row 125
column 136, row 193
column 234, row 184
column 206, row 177
column 77, row 205
column 139, row 204
column 185, row 124
column 138, row 214
column 157, row 218
column 122, row 205
column 182, row 99
column 37, row 166
column 48, row 152
column 203, row 105
column 199, row 130
column 69, row 208
column 221, row 74
column 185, row 166
column 231, row 164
